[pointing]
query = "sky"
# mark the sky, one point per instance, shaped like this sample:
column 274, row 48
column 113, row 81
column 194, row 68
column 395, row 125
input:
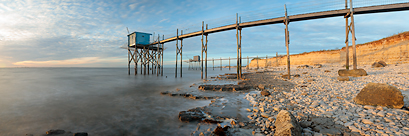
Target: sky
column 89, row 33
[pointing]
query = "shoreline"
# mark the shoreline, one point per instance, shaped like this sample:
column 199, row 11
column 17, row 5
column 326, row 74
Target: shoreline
column 321, row 103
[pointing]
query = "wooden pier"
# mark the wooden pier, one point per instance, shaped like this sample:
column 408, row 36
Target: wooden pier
column 348, row 12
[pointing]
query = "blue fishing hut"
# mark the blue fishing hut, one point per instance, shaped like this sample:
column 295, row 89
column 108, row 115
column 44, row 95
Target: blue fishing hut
column 138, row 38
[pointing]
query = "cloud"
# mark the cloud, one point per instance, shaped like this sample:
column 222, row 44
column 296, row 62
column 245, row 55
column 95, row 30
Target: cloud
column 90, row 61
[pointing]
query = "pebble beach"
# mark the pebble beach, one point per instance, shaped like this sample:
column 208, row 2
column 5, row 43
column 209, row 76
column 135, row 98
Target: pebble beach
column 320, row 102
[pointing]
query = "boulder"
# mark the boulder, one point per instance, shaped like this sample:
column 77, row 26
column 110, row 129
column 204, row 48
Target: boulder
column 318, row 65
column 297, row 75
column 191, row 115
column 343, row 78
column 383, row 63
column 55, row 132
column 377, row 65
column 219, row 131
column 287, row 125
column 353, row 72
column 303, row 66
column 265, row 93
column 81, row 134
column 380, row 94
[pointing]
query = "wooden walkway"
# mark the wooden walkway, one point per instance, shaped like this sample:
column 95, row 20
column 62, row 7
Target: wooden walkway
column 294, row 18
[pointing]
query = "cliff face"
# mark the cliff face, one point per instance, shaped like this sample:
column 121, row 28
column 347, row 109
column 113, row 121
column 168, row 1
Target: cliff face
column 393, row 49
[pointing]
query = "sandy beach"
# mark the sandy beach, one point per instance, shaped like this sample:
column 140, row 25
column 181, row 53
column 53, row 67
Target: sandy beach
column 320, row 102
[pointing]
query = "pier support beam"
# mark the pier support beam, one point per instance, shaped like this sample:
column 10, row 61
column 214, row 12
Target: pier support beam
column 205, row 49
column 287, row 41
column 177, row 53
column 238, row 37
column 352, row 26
column 201, row 57
column 181, row 46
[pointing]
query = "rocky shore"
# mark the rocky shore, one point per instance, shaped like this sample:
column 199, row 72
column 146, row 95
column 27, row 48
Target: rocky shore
column 316, row 101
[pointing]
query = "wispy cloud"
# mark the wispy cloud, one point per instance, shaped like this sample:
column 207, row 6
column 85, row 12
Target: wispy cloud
column 75, row 62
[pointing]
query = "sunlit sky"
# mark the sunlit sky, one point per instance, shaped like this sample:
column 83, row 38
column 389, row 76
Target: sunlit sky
column 89, row 33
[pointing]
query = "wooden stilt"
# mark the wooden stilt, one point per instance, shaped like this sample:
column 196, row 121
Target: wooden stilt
column 157, row 57
column 248, row 63
column 129, row 63
column 238, row 44
column 201, row 57
column 266, row 62
column 206, row 55
column 221, row 66
column 240, row 64
column 229, row 63
column 287, row 39
column 353, row 36
column 180, row 52
column 163, row 49
column 177, row 52
column 213, row 63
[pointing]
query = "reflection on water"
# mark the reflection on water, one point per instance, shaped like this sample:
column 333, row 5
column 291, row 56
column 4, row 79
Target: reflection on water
column 100, row 101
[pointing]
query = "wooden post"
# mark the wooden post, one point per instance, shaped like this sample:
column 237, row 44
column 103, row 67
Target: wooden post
column 157, row 57
column 129, row 63
column 221, row 65
column 201, row 71
column 181, row 46
column 136, row 59
column 229, row 63
column 177, row 52
column 353, row 35
column 163, row 49
column 287, row 39
column 213, row 63
column 346, row 38
column 240, row 72
column 238, row 44
column 248, row 64
column 206, row 55
column 266, row 62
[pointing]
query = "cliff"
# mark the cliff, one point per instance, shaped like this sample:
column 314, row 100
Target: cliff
column 392, row 50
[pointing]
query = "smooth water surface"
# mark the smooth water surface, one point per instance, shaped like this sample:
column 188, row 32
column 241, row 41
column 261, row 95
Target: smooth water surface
column 100, row 101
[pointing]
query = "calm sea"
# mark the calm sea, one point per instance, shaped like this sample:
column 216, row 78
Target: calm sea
column 100, row 101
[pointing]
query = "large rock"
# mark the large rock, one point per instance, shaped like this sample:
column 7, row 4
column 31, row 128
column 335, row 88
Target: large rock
column 265, row 93
column 287, row 125
column 380, row 94
column 191, row 115
column 383, row 63
column 353, row 72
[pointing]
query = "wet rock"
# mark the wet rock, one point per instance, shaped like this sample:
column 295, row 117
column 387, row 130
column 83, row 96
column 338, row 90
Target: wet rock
column 354, row 72
column 228, row 87
column 163, row 93
column 343, row 78
column 211, row 121
column 265, row 93
column 383, row 63
column 380, row 94
column 219, row 131
column 191, row 115
column 81, row 134
column 287, row 124
column 55, row 132
column 297, row 75
column 327, row 71
column 304, row 72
